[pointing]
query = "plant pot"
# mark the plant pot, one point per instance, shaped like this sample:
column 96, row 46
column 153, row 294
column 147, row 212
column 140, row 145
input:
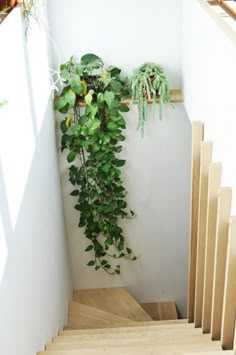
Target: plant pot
column 4, row 4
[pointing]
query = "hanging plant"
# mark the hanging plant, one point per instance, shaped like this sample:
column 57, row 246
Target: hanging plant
column 149, row 82
column 92, row 136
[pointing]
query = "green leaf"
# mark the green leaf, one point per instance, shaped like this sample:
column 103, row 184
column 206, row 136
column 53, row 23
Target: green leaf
column 84, row 144
column 82, row 223
column 60, row 103
column 129, row 251
column 106, row 139
column 106, row 168
column 71, row 157
column 100, row 98
column 121, row 122
column 91, row 58
column 109, row 97
column 63, row 126
column 112, row 126
column 95, row 124
column 65, row 75
column 89, row 97
column 96, row 147
column 75, row 130
column 119, row 162
column 91, row 110
column 104, row 262
column 84, row 130
column 90, row 247
column 114, row 71
column 121, row 245
column 107, row 266
column 75, row 193
column 70, row 97
column 76, row 85
column 97, row 267
column 120, row 137
column 123, row 108
column 116, row 86
column 64, row 109
column 91, row 263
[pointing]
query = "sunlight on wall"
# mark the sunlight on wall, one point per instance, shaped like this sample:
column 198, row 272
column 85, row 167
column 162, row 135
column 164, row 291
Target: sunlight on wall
column 3, row 250
column 38, row 66
column 16, row 134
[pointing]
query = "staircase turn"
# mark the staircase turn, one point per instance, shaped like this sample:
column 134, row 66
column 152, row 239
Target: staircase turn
column 110, row 321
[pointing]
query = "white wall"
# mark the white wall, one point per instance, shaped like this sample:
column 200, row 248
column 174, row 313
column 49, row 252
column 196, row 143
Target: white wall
column 35, row 283
column 209, row 81
column 157, row 174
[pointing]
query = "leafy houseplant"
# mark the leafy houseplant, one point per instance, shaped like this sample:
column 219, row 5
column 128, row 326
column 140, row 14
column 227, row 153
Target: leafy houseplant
column 92, row 135
column 149, row 82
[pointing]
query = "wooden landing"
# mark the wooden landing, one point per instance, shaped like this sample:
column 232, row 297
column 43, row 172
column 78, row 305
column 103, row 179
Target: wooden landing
column 116, row 300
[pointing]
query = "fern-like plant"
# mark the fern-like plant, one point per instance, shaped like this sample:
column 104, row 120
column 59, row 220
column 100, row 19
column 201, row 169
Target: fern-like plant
column 149, row 82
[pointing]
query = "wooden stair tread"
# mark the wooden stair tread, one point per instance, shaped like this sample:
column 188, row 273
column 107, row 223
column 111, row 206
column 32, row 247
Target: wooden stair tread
column 84, row 317
column 159, row 339
column 171, row 348
column 161, row 310
column 115, row 300
column 124, row 333
column 119, row 328
column 137, row 332
column 129, row 324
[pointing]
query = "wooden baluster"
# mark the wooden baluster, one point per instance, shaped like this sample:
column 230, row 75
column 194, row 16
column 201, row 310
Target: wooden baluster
column 229, row 301
column 206, row 156
column 197, row 137
column 223, row 216
column 213, row 193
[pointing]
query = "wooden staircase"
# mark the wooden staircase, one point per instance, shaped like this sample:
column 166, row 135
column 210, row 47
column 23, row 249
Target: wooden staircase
column 212, row 263
column 110, row 321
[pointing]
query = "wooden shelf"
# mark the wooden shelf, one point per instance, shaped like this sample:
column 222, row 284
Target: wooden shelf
column 175, row 96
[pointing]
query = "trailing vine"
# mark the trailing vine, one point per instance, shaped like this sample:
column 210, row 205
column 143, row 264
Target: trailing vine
column 92, row 136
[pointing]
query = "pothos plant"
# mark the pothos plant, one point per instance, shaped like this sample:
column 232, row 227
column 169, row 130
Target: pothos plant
column 149, row 82
column 92, row 135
